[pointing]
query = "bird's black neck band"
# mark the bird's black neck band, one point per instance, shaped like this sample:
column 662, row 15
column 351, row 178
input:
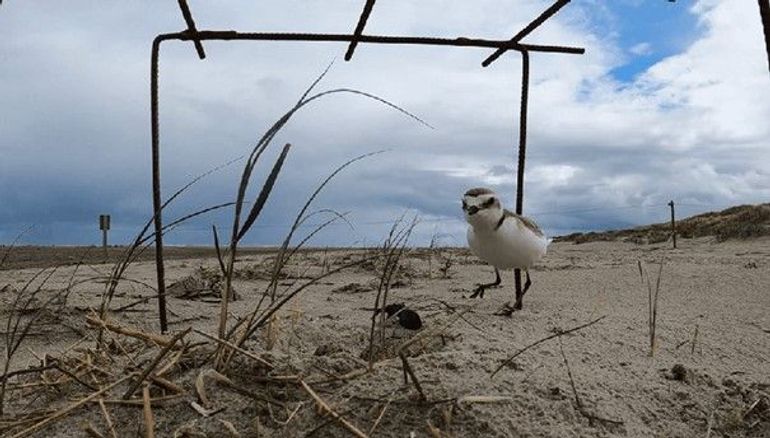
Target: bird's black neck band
column 500, row 222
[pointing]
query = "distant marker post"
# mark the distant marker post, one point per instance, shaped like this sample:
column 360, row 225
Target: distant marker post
column 673, row 223
column 104, row 225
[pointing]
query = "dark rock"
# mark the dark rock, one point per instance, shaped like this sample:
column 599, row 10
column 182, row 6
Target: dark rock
column 679, row 373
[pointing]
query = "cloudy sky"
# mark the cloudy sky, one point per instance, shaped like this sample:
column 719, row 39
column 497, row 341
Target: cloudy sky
column 670, row 101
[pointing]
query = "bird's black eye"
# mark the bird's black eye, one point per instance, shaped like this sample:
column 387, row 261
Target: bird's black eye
column 465, row 205
column 489, row 202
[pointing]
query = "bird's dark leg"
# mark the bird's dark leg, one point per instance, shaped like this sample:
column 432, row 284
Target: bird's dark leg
column 479, row 291
column 520, row 297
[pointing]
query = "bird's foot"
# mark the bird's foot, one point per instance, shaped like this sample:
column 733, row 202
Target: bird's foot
column 480, row 288
column 506, row 310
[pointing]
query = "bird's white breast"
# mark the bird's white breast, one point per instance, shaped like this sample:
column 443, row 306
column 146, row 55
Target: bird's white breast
column 510, row 246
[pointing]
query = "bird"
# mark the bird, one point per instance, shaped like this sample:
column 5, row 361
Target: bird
column 501, row 238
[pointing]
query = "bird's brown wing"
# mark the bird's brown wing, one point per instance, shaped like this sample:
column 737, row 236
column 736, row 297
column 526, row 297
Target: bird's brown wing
column 523, row 221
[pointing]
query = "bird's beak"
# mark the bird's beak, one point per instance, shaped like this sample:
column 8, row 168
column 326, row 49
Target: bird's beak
column 472, row 210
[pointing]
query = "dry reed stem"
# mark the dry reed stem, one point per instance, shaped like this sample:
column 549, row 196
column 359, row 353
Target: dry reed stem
column 558, row 334
column 434, row 431
column 710, row 423
column 382, row 414
column 168, row 384
column 107, row 418
column 694, row 340
column 484, row 399
column 293, row 413
column 345, row 423
column 72, row 375
column 228, row 383
column 66, row 411
column 580, row 407
column 408, row 370
column 652, row 302
column 138, row 402
column 90, row 430
column 205, row 412
column 146, row 372
column 236, row 348
column 149, row 419
column 200, row 389
column 171, row 363
column 392, row 249
column 127, row 331
column 230, row 428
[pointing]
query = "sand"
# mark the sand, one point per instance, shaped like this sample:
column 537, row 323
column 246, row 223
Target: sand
column 716, row 382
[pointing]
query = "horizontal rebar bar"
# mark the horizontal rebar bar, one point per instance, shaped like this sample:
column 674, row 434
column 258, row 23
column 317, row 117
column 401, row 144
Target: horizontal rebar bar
column 230, row 35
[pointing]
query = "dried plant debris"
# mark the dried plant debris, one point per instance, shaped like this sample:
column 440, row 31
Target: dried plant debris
column 352, row 288
column 204, row 283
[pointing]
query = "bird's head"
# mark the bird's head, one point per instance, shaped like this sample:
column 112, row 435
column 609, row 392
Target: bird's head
column 481, row 207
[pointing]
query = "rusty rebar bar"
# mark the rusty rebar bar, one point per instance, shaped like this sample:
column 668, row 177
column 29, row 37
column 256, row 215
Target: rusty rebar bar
column 764, row 12
column 156, row 195
column 359, row 28
column 522, row 158
column 231, row 35
column 548, row 13
column 188, row 18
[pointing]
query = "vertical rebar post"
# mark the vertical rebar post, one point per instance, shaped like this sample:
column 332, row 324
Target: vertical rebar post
column 156, row 198
column 522, row 159
column 764, row 13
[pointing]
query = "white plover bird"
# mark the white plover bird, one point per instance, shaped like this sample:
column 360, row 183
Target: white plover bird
column 501, row 238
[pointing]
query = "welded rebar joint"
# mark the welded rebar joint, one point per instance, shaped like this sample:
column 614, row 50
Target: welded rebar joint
column 191, row 29
column 359, row 29
column 548, row 13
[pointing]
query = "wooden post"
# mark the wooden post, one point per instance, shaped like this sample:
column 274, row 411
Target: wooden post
column 673, row 223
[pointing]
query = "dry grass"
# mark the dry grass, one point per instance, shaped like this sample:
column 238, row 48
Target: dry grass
column 129, row 359
column 652, row 302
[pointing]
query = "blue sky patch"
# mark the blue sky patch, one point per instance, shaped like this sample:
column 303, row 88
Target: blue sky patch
column 648, row 31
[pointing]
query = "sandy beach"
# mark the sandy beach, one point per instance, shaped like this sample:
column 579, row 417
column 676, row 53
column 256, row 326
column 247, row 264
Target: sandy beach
column 708, row 376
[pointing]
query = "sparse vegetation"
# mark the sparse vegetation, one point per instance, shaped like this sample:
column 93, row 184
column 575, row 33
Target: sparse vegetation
column 652, row 301
column 739, row 222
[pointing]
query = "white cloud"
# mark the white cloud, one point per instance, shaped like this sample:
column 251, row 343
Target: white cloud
column 641, row 49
